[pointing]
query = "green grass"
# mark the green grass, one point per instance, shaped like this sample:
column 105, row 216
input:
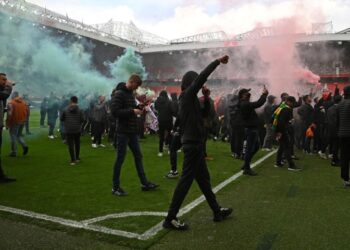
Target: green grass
column 48, row 184
column 276, row 210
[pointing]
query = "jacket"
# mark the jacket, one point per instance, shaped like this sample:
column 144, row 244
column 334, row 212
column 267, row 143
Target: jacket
column 164, row 108
column 5, row 92
column 306, row 113
column 343, row 118
column 268, row 112
column 190, row 113
column 249, row 116
column 123, row 104
column 99, row 112
column 17, row 112
column 72, row 117
column 284, row 118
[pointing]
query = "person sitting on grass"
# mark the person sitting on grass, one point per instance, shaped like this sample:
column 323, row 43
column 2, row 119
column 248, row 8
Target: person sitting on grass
column 73, row 118
column 124, row 108
column 192, row 134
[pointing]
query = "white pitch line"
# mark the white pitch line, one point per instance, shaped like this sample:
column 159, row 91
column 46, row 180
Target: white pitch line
column 123, row 215
column 86, row 224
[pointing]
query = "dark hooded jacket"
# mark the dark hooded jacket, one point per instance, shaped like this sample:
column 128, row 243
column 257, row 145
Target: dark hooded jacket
column 164, row 108
column 190, row 113
column 249, row 116
column 123, row 104
column 72, row 117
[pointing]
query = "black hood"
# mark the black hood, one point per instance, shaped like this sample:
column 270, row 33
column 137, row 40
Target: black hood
column 188, row 79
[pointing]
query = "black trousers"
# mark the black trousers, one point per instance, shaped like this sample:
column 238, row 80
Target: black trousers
column 344, row 143
column 175, row 145
column 73, row 141
column 97, row 131
column 285, row 149
column 194, row 167
column 42, row 117
column 237, row 140
column 334, row 148
column 164, row 135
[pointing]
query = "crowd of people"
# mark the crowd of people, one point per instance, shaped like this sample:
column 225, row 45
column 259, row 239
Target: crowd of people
column 313, row 124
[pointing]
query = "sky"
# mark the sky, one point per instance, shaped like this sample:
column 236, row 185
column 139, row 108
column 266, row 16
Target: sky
column 179, row 18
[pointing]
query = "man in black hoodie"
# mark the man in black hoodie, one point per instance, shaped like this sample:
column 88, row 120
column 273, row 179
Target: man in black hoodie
column 251, row 122
column 192, row 131
column 72, row 118
column 124, row 108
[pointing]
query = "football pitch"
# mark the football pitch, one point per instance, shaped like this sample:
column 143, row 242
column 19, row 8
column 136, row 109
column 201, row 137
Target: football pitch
column 275, row 210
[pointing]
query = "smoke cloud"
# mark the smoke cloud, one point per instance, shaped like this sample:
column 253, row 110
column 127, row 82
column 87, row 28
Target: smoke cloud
column 42, row 62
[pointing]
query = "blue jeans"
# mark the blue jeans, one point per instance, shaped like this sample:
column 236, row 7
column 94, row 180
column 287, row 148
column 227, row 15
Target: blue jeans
column 253, row 144
column 123, row 140
column 16, row 135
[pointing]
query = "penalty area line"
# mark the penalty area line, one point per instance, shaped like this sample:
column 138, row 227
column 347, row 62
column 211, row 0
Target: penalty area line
column 87, row 224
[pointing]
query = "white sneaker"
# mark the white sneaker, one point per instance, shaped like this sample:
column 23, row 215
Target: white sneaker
column 51, row 137
column 179, row 151
column 322, row 155
column 101, row 145
column 267, row 149
column 160, row 154
column 94, row 145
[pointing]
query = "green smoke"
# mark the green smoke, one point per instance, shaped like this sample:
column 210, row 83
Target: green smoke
column 127, row 64
column 43, row 63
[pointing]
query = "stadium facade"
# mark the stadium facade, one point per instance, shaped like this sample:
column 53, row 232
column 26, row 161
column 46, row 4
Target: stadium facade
column 166, row 61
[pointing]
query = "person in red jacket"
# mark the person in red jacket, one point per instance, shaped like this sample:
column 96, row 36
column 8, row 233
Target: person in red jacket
column 17, row 114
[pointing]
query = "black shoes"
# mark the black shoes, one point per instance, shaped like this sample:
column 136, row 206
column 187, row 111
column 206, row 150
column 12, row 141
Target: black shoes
column 6, row 179
column 175, row 224
column 278, row 165
column 25, row 150
column 119, row 192
column 172, row 174
column 149, row 186
column 223, row 214
column 249, row 172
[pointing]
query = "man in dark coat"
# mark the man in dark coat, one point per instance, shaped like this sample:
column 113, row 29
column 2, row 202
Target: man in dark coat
column 72, row 117
column 343, row 124
column 192, row 132
column 124, row 108
column 164, row 108
column 331, row 123
column 269, row 108
column 5, row 92
column 251, row 123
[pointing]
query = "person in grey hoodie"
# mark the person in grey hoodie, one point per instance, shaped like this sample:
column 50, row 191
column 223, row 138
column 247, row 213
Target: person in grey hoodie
column 99, row 117
column 72, row 117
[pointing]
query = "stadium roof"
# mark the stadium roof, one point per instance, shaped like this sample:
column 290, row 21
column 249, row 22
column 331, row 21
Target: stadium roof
column 129, row 35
